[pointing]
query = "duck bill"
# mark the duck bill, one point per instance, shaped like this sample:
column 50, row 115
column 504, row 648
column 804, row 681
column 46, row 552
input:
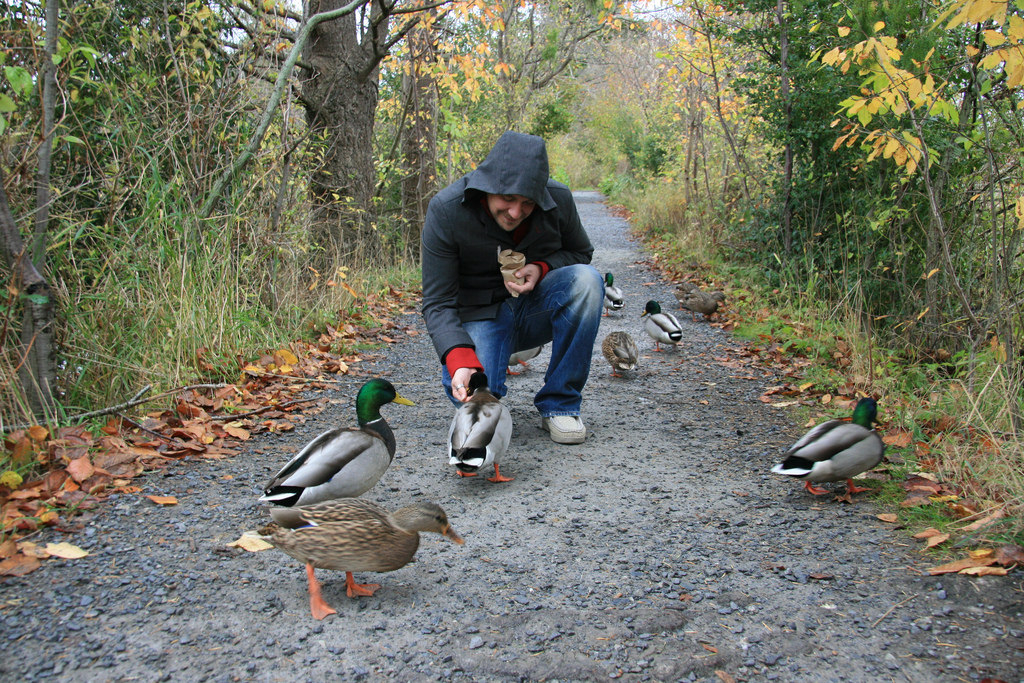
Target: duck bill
column 403, row 400
column 452, row 536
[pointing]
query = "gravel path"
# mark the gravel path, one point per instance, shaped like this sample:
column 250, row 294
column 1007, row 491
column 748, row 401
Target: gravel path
column 658, row 550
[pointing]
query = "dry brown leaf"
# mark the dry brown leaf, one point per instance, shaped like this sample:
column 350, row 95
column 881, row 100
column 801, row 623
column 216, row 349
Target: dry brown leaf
column 709, row 648
column 80, row 469
column 985, row 521
column 19, row 565
column 724, row 677
column 8, row 548
column 1009, row 554
column 959, row 565
column 38, row 433
column 897, row 438
column 936, row 540
column 888, row 517
column 237, row 432
column 927, row 533
column 163, row 500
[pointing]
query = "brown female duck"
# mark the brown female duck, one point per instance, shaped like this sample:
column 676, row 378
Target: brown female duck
column 356, row 535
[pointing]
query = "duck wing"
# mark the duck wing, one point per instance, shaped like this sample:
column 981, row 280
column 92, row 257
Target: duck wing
column 340, row 463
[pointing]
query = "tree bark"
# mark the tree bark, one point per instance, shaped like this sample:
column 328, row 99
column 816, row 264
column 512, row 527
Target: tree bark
column 340, row 91
column 37, row 367
column 787, row 108
column 419, row 135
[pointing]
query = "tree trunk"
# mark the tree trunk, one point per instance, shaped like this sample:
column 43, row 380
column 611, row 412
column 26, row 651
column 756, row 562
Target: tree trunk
column 341, row 100
column 787, row 108
column 37, row 367
column 419, row 136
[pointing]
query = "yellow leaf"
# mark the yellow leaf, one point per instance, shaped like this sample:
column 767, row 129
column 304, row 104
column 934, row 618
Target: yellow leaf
column 32, row 549
column 11, row 479
column 843, row 31
column 251, row 543
column 163, row 500
column 981, row 552
column 930, row 273
column 994, row 38
column 984, row 571
column 944, row 499
column 65, row 550
column 923, row 313
column 879, row 25
column 287, row 356
column 38, row 433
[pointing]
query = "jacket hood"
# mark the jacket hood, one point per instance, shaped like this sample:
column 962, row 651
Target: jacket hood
column 517, row 164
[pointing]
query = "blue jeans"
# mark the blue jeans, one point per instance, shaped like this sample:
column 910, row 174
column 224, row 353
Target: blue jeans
column 565, row 310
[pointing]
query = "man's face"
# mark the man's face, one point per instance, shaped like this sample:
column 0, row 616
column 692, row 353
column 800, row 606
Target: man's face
column 509, row 210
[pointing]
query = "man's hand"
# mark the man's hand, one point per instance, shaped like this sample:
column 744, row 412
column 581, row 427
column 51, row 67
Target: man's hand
column 459, row 382
column 531, row 276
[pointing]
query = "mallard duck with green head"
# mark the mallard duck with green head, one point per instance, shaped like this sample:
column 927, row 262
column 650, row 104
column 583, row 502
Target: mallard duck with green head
column 613, row 299
column 663, row 327
column 340, row 463
column 480, row 431
column 836, row 450
column 621, row 352
column 355, row 535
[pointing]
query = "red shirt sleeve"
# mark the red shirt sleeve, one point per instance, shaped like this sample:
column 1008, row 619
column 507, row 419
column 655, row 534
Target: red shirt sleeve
column 461, row 357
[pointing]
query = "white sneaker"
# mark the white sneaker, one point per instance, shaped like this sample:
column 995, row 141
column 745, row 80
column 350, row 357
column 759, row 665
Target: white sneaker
column 565, row 428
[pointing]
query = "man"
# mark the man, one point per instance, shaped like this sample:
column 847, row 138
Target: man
column 475, row 319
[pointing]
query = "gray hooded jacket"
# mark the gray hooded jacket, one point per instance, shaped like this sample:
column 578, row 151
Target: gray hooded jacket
column 461, row 277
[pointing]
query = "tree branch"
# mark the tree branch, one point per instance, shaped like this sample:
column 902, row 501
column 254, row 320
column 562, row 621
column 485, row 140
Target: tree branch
column 275, row 100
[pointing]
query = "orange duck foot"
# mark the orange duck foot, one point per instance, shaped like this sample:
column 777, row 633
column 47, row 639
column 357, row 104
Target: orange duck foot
column 317, row 606
column 465, row 474
column 497, row 478
column 355, row 590
column 853, row 488
column 816, row 490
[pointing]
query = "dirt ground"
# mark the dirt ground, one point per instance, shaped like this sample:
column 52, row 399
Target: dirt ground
column 662, row 549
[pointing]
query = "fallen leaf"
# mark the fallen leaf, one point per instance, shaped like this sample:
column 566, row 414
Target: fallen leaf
column 38, row 433
column 19, row 565
column 959, row 565
column 984, row 571
column 927, row 533
column 709, row 648
column 936, row 540
column 251, row 543
column 80, row 469
column 1009, row 554
column 888, row 517
column 897, row 438
column 724, row 677
column 985, row 521
column 163, row 500
column 285, row 357
column 32, row 549
column 66, row 550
